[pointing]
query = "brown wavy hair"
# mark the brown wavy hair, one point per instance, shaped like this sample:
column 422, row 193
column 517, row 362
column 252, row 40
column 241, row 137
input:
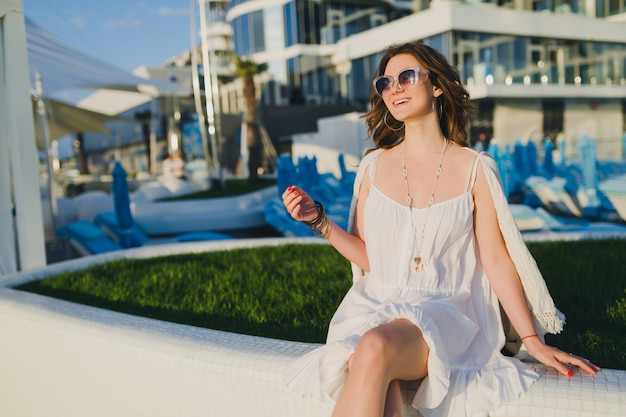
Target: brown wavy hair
column 455, row 103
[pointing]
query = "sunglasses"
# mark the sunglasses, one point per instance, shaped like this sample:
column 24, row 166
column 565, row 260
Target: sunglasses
column 407, row 79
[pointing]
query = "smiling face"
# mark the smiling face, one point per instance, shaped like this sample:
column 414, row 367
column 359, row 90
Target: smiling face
column 409, row 98
column 440, row 101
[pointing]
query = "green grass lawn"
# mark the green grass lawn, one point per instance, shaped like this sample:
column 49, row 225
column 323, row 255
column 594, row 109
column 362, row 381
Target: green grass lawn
column 291, row 291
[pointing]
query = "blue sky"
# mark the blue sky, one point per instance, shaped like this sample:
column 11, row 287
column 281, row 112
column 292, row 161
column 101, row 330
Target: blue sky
column 124, row 33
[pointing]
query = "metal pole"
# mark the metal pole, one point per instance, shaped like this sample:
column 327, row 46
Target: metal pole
column 212, row 117
column 45, row 136
column 215, row 97
column 153, row 139
column 197, row 98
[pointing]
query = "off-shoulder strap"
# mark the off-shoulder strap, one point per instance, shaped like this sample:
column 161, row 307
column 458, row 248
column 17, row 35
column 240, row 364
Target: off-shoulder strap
column 471, row 178
column 372, row 165
column 365, row 162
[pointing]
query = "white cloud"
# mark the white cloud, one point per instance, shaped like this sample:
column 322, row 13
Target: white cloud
column 78, row 22
column 168, row 11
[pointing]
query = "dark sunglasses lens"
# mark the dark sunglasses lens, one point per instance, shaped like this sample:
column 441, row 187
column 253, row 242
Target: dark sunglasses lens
column 408, row 77
column 382, row 84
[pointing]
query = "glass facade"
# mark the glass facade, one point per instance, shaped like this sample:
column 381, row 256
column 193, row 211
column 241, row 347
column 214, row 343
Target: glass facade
column 343, row 20
column 592, row 8
column 360, row 79
column 509, row 60
column 219, row 34
column 480, row 58
column 215, row 14
column 306, row 22
column 502, row 59
column 310, row 22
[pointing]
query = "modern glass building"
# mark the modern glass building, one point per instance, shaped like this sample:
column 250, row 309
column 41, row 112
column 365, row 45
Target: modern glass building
column 535, row 68
column 298, row 39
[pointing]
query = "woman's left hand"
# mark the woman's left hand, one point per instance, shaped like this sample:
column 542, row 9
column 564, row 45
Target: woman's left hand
column 558, row 359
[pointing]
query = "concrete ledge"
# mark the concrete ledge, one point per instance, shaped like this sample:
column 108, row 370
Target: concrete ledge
column 63, row 359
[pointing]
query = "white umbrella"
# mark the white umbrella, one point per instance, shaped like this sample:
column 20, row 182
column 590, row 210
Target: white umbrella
column 60, row 119
column 66, row 119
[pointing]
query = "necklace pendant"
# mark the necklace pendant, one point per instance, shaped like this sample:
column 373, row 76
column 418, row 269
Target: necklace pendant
column 418, row 263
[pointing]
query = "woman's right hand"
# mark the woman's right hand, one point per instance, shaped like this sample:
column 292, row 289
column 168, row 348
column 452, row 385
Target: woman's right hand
column 299, row 204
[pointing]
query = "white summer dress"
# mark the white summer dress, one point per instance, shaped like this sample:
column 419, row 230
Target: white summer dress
column 451, row 302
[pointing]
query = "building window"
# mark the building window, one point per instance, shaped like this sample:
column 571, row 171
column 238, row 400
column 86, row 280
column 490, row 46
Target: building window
column 309, row 22
column 249, row 33
column 361, row 83
column 360, row 80
column 274, row 34
column 257, row 34
column 241, row 38
column 530, row 60
column 291, row 24
column 606, row 8
column 481, row 126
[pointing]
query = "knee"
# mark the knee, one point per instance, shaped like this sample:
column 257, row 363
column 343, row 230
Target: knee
column 374, row 350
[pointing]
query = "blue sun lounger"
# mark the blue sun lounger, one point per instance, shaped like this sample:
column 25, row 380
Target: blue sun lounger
column 103, row 235
column 87, row 238
column 107, row 221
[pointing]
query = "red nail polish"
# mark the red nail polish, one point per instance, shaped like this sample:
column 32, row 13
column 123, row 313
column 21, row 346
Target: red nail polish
column 296, row 192
column 570, row 374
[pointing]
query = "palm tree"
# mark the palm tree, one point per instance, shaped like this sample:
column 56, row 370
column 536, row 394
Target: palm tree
column 247, row 69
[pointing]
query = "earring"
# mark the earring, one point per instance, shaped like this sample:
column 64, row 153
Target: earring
column 387, row 124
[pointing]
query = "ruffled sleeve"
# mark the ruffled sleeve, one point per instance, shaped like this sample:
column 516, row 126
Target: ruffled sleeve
column 548, row 319
column 357, row 272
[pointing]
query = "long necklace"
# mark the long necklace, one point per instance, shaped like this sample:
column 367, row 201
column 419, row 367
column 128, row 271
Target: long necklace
column 418, row 262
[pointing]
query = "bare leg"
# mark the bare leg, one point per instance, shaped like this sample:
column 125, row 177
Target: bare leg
column 394, row 407
column 392, row 351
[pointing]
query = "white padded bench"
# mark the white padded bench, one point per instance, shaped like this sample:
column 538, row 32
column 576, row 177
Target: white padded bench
column 555, row 395
column 62, row 359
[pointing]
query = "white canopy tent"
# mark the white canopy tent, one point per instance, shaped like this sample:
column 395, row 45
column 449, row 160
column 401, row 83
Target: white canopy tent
column 21, row 222
column 60, row 67
column 25, row 51
column 66, row 119
column 63, row 67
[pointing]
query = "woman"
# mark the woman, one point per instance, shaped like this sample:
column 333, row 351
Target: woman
column 435, row 253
